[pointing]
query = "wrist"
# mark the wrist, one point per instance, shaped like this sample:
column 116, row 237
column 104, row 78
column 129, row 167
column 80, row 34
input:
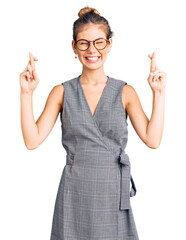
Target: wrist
column 157, row 92
column 24, row 93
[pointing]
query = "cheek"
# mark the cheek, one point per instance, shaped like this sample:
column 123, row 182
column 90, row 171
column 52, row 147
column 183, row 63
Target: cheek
column 81, row 57
column 104, row 55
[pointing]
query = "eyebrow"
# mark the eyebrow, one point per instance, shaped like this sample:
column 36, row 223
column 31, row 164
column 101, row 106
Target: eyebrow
column 90, row 40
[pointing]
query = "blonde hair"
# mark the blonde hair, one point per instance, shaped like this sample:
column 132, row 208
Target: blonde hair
column 86, row 10
column 90, row 15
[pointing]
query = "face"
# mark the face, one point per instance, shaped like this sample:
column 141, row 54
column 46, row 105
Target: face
column 91, row 32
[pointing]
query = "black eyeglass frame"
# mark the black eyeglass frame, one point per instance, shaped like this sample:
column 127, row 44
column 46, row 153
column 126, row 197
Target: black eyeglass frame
column 107, row 41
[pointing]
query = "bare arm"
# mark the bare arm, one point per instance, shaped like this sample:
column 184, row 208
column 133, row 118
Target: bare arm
column 149, row 131
column 34, row 133
column 156, row 123
column 135, row 112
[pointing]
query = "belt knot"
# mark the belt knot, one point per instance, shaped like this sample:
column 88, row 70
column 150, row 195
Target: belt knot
column 126, row 177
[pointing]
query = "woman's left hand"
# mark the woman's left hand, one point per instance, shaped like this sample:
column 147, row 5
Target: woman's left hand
column 157, row 78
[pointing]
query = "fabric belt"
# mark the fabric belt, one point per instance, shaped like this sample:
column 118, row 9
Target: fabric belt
column 126, row 177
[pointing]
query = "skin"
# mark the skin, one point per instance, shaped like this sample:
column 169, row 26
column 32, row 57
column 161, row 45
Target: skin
column 93, row 80
column 149, row 131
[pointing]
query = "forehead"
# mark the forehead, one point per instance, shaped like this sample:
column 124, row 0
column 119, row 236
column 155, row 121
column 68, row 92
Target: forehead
column 91, row 31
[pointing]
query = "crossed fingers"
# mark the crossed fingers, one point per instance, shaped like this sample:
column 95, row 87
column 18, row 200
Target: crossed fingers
column 153, row 65
column 31, row 65
column 155, row 72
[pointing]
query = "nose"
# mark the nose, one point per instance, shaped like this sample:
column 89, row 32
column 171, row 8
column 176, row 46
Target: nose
column 92, row 47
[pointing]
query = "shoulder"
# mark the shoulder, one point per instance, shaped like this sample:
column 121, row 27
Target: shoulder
column 58, row 90
column 129, row 95
column 127, row 90
column 57, row 93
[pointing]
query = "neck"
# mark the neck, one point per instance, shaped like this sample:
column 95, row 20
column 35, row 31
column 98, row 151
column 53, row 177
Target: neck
column 93, row 76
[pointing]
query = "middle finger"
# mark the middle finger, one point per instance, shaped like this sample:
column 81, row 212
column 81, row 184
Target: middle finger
column 32, row 61
column 153, row 62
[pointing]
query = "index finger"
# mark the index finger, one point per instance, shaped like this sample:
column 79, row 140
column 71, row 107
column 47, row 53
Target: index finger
column 32, row 61
column 153, row 62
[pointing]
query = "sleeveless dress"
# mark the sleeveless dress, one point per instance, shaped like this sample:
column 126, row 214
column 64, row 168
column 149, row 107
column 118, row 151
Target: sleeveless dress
column 93, row 198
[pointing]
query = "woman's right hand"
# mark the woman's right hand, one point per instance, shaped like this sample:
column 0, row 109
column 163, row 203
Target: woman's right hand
column 28, row 78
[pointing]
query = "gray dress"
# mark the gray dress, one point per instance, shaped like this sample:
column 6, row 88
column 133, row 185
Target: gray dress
column 93, row 198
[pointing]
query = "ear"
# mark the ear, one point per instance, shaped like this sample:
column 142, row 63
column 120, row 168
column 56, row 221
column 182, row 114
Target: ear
column 110, row 45
column 73, row 47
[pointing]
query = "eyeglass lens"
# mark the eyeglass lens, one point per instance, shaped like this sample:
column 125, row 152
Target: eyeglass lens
column 99, row 44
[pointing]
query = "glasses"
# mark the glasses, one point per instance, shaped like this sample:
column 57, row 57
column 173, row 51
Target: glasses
column 99, row 44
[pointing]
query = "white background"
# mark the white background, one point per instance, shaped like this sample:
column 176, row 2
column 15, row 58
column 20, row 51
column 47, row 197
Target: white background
column 29, row 179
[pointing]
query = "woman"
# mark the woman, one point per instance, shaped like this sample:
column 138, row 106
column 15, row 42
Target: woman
column 93, row 199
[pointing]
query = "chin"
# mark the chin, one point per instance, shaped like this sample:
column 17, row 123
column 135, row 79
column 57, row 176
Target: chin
column 92, row 66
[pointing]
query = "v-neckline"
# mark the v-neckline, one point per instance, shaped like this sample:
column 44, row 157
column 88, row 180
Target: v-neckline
column 99, row 102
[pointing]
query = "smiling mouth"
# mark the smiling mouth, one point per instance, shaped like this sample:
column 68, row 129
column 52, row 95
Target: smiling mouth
column 92, row 59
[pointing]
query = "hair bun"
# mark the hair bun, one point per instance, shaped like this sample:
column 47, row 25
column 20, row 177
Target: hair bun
column 86, row 10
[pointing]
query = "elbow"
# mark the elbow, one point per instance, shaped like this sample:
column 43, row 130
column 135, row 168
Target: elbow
column 153, row 145
column 152, row 142
column 30, row 146
column 31, row 142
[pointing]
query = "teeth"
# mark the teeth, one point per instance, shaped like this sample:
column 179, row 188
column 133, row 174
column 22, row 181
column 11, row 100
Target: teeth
column 92, row 58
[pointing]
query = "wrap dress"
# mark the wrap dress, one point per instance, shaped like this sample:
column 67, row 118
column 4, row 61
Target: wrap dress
column 93, row 198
